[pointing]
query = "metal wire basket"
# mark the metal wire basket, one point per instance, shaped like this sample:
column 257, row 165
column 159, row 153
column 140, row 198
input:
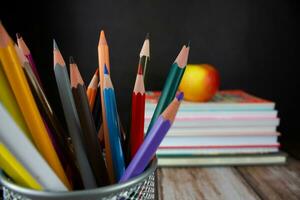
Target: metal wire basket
column 140, row 187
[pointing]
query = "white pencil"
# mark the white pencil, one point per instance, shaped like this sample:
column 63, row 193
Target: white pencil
column 19, row 145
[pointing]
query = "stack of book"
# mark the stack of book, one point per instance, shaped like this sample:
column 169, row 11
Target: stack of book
column 234, row 128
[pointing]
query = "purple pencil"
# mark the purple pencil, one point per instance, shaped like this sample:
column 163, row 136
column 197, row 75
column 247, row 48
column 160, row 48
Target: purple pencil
column 157, row 133
column 22, row 45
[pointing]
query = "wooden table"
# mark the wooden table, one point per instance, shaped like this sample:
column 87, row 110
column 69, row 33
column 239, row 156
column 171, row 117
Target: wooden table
column 232, row 183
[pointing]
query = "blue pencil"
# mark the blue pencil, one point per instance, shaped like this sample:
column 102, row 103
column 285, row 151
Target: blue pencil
column 113, row 125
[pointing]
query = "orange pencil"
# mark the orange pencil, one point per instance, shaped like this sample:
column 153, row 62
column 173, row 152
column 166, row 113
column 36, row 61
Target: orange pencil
column 92, row 89
column 103, row 58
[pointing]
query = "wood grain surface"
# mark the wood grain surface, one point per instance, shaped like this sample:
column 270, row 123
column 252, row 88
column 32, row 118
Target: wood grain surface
column 254, row 182
column 274, row 182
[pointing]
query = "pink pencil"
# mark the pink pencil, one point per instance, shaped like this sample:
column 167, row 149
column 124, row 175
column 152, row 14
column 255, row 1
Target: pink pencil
column 22, row 45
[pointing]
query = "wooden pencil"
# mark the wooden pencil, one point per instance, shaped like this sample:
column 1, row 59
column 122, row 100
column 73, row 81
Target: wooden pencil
column 19, row 145
column 8, row 100
column 58, row 135
column 25, row 50
column 71, row 116
column 92, row 89
column 137, row 113
column 171, row 84
column 13, row 168
column 89, row 137
column 27, row 105
column 103, row 58
column 157, row 133
column 113, row 126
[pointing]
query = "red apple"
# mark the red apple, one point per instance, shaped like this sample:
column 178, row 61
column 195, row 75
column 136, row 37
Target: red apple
column 200, row 82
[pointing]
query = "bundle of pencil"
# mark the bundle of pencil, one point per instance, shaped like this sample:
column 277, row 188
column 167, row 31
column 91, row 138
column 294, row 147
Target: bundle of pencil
column 58, row 135
column 15, row 76
column 38, row 153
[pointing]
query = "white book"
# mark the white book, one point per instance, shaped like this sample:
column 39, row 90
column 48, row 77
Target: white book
column 219, row 140
column 194, row 115
column 222, row 123
column 220, row 130
column 22, row 148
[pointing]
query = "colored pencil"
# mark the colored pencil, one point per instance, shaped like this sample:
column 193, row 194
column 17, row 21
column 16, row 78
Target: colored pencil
column 92, row 146
column 23, row 150
column 8, row 100
column 71, row 116
column 171, row 84
column 113, row 125
column 25, row 50
column 103, row 58
column 13, row 168
column 58, row 135
column 145, row 55
column 157, row 133
column 92, row 89
column 27, row 105
column 137, row 113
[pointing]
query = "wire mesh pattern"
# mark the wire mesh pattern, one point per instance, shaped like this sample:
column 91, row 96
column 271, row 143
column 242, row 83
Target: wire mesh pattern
column 144, row 190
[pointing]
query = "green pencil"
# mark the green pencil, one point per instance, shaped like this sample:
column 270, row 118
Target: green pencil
column 171, row 84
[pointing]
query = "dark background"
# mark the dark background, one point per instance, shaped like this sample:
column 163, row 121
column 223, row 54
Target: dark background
column 253, row 43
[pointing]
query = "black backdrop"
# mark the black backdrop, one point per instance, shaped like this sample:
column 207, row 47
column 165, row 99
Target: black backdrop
column 252, row 43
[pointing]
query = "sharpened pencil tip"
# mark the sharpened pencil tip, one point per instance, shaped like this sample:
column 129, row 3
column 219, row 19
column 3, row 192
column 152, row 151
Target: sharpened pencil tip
column 105, row 69
column 18, row 35
column 188, row 44
column 102, row 39
column 71, row 60
column 55, row 45
column 179, row 96
column 147, row 36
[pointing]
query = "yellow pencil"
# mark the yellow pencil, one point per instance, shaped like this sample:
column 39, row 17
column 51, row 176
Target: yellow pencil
column 9, row 102
column 15, row 170
column 25, row 100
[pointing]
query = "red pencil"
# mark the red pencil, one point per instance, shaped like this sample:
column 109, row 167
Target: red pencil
column 137, row 113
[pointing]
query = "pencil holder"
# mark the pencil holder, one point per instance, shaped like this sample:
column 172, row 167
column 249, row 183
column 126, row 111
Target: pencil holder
column 140, row 187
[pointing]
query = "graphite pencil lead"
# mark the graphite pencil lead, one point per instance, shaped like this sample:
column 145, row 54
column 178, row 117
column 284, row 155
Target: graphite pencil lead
column 189, row 43
column 55, row 45
column 147, row 36
column 71, row 60
column 18, row 35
